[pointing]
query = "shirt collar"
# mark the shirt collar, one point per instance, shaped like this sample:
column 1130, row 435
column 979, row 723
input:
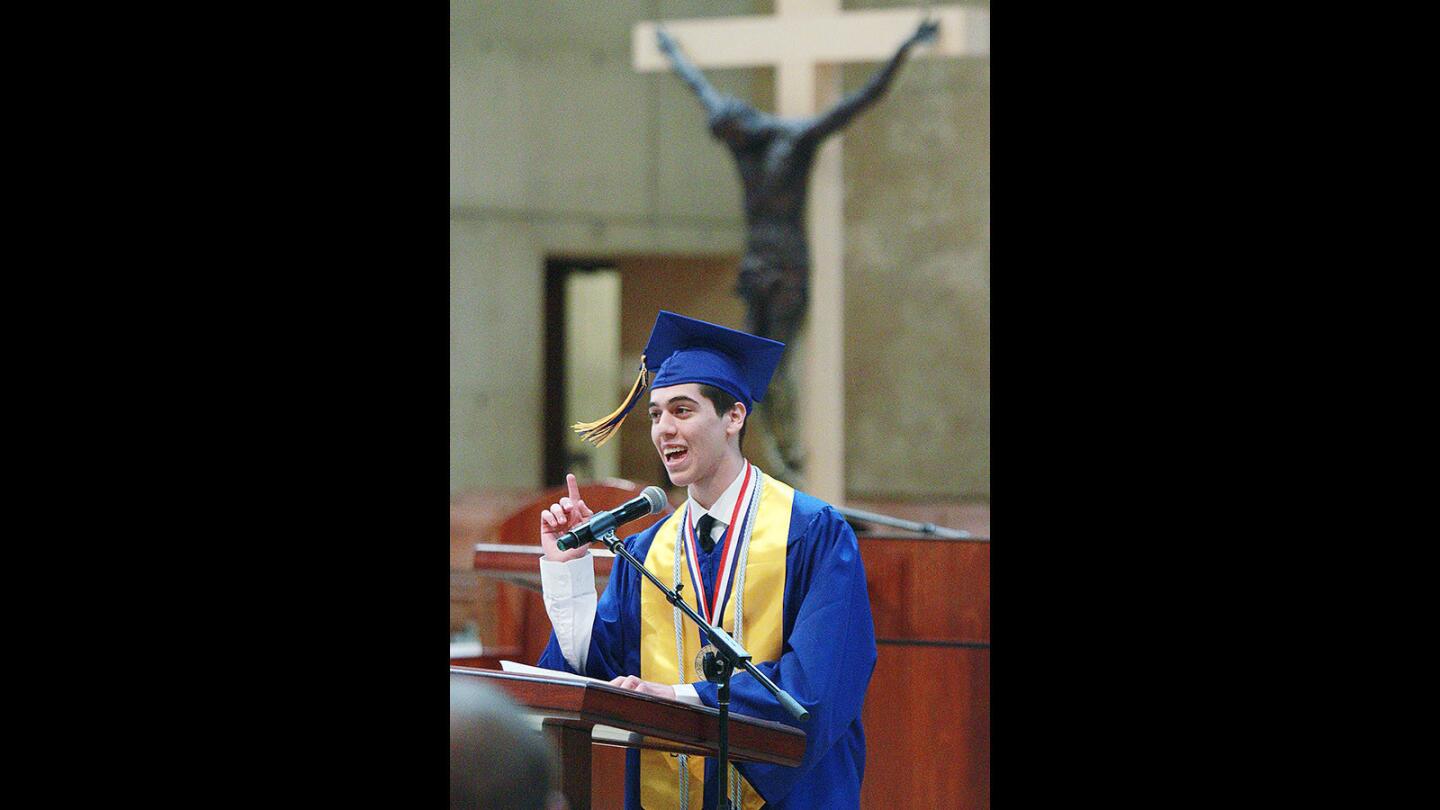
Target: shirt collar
column 725, row 504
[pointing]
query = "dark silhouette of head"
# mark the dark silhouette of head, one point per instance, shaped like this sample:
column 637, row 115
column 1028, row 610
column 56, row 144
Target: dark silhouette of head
column 496, row 759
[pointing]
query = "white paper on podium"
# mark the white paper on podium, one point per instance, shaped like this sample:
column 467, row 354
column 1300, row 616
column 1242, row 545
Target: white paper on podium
column 604, row 735
column 526, row 669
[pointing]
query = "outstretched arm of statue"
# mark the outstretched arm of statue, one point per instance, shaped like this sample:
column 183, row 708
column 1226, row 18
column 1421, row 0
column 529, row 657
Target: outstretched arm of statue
column 848, row 107
column 709, row 96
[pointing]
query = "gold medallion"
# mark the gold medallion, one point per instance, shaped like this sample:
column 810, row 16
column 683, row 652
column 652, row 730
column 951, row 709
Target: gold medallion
column 700, row 660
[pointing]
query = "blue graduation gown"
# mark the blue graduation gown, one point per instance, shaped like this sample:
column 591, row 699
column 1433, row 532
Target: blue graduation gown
column 828, row 656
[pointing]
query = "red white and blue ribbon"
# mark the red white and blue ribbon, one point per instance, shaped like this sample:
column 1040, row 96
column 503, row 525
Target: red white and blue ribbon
column 712, row 609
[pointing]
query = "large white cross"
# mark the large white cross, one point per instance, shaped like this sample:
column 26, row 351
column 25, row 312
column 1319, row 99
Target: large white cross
column 808, row 41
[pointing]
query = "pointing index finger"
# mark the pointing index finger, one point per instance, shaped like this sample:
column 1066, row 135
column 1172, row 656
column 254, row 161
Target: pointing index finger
column 574, row 487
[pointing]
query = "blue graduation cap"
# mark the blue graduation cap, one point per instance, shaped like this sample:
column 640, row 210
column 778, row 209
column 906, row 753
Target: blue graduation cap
column 686, row 350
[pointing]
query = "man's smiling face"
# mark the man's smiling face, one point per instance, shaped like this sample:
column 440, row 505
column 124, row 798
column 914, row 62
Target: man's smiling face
column 690, row 437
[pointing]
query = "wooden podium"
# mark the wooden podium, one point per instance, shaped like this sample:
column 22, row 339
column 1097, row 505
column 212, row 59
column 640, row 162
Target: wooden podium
column 579, row 714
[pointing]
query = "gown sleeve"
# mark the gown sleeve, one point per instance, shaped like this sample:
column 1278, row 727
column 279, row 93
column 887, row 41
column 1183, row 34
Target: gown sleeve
column 615, row 636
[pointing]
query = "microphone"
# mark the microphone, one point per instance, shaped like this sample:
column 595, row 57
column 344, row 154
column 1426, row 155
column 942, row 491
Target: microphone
column 652, row 500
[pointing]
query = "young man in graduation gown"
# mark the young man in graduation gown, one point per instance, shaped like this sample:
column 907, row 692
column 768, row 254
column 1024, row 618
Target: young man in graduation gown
column 780, row 567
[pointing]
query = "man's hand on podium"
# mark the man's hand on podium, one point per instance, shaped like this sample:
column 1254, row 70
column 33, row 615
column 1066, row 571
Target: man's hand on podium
column 634, row 684
column 560, row 518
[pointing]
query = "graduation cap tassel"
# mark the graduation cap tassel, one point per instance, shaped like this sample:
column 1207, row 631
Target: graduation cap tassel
column 599, row 431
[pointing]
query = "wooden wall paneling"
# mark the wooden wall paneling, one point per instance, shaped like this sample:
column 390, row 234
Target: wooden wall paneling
column 474, row 518
column 927, row 711
column 926, row 589
column 927, row 728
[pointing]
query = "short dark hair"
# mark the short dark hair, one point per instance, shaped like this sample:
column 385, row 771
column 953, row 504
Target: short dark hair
column 723, row 402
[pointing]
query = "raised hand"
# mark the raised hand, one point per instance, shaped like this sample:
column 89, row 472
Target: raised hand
column 561, row 517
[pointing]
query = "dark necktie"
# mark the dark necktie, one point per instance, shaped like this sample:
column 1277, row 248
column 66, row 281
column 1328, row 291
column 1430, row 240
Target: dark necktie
column 702, row 530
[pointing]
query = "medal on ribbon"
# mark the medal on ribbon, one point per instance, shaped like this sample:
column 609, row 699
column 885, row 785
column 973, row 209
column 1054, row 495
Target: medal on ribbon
column 712, row 608
column 700, row 660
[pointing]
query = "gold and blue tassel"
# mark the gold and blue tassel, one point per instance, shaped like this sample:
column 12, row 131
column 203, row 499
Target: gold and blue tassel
column 600, row 431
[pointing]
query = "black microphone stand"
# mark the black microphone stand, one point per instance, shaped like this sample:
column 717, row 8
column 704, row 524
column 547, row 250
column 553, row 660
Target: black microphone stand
column 718, row 666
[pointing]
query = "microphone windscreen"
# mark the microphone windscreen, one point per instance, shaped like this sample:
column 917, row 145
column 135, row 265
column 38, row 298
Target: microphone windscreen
column 656, row 498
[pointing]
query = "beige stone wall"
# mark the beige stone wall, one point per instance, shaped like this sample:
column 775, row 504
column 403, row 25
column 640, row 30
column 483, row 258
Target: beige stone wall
column 917, row 283
column 557, row 146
